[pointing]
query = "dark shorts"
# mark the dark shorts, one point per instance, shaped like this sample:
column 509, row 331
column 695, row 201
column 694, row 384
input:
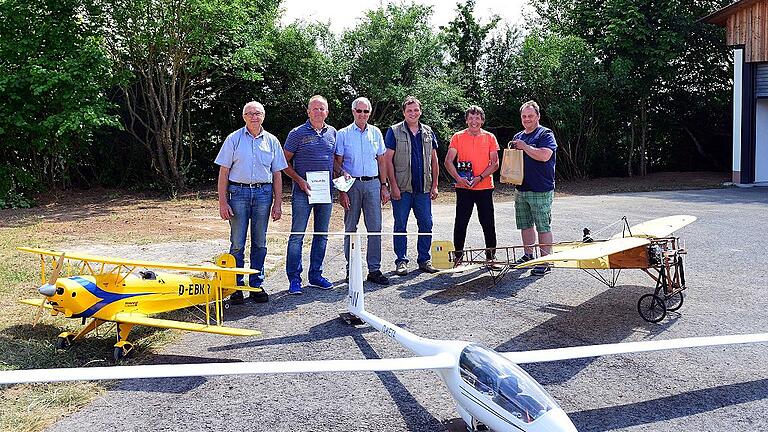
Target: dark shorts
column 534, row 208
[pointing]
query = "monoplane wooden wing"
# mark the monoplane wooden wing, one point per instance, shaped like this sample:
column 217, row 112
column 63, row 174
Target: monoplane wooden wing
column 598, row 255
column 657, row 228
column 140, row 319
column 140, row 263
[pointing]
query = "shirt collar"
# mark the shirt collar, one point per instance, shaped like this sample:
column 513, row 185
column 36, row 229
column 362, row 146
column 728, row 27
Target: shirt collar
column 260, row 135
column 357, row 128
column 312, row 128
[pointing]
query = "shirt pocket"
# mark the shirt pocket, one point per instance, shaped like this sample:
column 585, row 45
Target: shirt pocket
column 265, row 157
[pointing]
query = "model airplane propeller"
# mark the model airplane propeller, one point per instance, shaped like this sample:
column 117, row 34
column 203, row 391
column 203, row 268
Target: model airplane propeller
column 489, row 388
column 128, row 297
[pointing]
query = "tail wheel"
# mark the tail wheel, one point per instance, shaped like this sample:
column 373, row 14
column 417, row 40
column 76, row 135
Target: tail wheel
column 651, row 308
column 674, row 302
column 64, row 342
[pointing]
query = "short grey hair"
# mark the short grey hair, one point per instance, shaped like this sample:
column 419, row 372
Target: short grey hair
column 317, row 98
column 255, row 105
column 531, row 104
column 363, row 100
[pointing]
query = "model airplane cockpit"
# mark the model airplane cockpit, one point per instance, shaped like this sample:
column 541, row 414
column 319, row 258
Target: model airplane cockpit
column 503, row 383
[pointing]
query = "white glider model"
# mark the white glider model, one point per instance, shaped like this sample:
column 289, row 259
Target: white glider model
column 489, row 388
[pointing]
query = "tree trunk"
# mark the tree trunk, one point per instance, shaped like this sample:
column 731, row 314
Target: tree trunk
column 643, row 137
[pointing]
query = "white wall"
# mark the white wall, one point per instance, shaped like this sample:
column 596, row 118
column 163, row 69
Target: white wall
column 761, row 141
column 738, row 62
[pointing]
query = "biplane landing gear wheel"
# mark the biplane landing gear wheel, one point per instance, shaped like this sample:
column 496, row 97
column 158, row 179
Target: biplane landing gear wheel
column 674, row 302
column 64, row 341
column 122, row 350
column 651, row 308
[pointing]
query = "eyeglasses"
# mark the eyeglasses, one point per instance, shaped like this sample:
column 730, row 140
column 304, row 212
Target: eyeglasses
column 255, row 113
column 359, row 111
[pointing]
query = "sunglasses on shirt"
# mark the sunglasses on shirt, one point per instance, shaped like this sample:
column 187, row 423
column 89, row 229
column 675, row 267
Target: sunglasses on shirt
column 360, row 111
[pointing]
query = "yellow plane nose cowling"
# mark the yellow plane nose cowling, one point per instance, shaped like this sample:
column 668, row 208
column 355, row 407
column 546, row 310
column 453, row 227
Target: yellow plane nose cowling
column 72, row 296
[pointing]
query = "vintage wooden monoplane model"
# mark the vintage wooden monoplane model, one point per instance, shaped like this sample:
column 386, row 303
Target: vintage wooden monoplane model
column 116, row 290
column 489, row 388
column 649, row 246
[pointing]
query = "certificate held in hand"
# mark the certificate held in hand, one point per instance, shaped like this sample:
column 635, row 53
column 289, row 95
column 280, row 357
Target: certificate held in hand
column 320, row 187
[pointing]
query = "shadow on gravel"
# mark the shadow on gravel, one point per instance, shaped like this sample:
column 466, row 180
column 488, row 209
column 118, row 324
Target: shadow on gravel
column 476, row 284
column 331, row 329
column 609, row 317
column 671, row 407
column 416, row 417
column 179, row 385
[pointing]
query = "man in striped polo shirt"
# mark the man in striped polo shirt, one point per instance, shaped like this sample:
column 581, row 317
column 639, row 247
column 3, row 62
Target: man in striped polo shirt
column 309, row 148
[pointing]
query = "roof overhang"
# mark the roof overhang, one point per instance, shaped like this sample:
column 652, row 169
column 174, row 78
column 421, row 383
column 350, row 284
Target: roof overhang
column 721, row 17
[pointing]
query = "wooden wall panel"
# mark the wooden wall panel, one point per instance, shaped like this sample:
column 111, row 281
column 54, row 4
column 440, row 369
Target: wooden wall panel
column 748, row 26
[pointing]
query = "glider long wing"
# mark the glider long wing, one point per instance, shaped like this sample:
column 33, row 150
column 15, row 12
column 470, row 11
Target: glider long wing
column 140, row 263
column 140, row 319
column 439, row 361
column 548, row 355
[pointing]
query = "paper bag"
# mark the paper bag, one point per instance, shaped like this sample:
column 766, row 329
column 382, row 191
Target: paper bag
column 511, row 167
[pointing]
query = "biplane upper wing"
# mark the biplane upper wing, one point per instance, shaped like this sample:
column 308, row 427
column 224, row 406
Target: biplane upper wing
column 658, row 228
column 140, row 263
column 588, row 252
column 140, row 319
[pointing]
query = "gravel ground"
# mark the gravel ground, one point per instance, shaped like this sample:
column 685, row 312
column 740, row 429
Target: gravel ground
column 699, row 389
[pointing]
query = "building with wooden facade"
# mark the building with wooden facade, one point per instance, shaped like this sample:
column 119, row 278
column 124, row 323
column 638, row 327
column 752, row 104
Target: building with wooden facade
column 746, row 24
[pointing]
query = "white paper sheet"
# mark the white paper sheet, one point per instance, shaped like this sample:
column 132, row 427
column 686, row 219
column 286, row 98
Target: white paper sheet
column 320, row 187
column 343, row 184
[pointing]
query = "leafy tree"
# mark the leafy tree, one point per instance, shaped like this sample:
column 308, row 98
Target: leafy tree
column 174, row 55
column 52, row 76
column 642, row 46
column 466, row 41
column 392, row 53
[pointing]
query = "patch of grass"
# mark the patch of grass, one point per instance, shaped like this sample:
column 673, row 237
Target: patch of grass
column 31, row 408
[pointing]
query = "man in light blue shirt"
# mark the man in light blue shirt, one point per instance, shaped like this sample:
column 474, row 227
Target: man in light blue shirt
column 360, row 152
column 250, row 182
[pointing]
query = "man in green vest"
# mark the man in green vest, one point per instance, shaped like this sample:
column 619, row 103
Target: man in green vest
column 411, row 160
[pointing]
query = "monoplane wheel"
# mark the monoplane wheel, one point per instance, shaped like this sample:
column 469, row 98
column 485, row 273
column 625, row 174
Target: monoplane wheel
column 651, row 308
column 674, row 302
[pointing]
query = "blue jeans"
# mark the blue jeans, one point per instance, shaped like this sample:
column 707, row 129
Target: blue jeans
column 250, row 205
column 301, row 208
column 422, row 209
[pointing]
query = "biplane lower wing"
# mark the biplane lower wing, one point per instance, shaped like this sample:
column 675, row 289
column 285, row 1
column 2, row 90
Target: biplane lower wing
column 36, row 303
column 139, row 319
column 591, row 255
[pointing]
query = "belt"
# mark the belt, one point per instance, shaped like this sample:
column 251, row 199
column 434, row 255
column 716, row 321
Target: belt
column 249, row 185
column 366, row 178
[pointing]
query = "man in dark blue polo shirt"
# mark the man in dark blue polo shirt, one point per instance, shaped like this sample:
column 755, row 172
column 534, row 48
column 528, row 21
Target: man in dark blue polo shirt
column 533, row 198
column 309, row 148
column 411, row 159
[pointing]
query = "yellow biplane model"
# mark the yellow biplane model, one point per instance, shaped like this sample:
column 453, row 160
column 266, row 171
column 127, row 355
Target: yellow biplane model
column 115, row 290
column 648, row 246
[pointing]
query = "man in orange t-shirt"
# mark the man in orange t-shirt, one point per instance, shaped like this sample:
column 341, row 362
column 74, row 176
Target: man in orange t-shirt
column 476, row 152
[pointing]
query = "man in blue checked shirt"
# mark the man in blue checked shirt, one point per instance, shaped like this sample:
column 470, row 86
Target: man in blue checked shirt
column 360, row 152
column 309, row 148
column 250, row 184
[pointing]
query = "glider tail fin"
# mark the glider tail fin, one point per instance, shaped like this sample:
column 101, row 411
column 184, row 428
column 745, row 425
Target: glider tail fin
column 356, row 302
